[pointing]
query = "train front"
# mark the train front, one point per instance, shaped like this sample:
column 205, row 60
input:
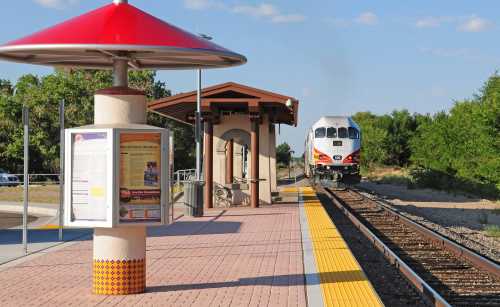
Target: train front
column 336, row 150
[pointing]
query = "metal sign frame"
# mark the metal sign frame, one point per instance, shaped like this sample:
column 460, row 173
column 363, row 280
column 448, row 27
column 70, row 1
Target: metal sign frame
column 68, row 188
column 164, row 175
column 113, row 177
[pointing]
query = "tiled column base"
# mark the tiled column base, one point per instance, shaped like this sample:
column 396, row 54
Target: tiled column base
column 117, row 277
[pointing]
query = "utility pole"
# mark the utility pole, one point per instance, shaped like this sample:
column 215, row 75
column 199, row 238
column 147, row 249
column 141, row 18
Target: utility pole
column 198, row 127
column 26, row 178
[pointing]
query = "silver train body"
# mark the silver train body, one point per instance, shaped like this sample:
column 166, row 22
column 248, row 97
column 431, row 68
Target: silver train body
column 332, row 149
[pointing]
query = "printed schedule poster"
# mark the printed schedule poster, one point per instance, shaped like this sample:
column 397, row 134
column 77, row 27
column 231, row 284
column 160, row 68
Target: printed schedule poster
column 140, row 190
column 88, row 181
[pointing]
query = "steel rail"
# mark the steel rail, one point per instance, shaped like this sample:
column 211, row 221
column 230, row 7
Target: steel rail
column 431, row 295
column 457, row 249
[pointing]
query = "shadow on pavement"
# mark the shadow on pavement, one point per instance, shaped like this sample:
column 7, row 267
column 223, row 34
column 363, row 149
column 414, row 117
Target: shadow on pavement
column 14, row 236
column 185, row 228
column 277, row 280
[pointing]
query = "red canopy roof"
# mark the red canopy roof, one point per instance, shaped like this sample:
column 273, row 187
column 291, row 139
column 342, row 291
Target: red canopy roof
column 118, row 30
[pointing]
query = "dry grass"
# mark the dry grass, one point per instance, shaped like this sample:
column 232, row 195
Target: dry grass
column 390, row 175
column 492, row 230
column 39, row 194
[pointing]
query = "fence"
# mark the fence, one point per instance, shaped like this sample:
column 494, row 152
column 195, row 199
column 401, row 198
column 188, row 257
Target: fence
column 43, row 179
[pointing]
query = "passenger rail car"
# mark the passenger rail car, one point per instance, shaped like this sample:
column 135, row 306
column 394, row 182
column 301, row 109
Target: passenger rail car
column 332, row 150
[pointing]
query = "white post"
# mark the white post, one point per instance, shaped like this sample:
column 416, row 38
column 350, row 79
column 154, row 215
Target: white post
column 61, row 168
column 26, row 178
column 198, row 127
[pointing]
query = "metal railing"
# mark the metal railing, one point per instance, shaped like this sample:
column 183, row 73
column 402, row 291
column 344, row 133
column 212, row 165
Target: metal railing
column 179, row 177
column 39, row 178
column 183, row 175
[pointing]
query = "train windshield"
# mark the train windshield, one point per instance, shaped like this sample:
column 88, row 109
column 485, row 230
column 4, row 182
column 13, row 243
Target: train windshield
column 353, row 133
column 320, row 132
column 343, row 133
column 331, row 132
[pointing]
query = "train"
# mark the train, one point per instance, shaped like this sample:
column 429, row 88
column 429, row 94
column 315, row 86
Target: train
column 332, row 150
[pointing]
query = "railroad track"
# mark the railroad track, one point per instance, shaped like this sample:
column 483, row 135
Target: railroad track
column 445, row 273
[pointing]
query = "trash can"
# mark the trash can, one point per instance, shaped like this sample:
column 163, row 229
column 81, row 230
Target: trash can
column 193, row 198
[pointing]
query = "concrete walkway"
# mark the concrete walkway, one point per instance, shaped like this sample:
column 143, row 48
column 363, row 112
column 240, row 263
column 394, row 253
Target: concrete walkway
column 238, row 257
column 37, row 209
column 42, row 229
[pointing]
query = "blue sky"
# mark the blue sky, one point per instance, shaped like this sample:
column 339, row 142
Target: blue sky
column 336, row 57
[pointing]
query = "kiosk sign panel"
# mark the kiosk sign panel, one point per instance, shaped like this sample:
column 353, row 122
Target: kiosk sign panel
column 89, row 176
column 140, row 177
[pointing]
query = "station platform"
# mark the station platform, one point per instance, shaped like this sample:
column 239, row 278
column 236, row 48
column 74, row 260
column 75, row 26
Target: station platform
column 287, row 254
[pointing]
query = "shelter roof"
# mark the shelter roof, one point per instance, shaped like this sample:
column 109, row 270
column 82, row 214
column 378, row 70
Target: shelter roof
column 229, row 97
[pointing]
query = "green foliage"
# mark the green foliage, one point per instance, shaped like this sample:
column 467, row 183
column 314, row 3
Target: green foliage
column 385, row 139
column 283, row 154
column 461, row 149
column 373, row 139
column 455, row 150
column 76, row 87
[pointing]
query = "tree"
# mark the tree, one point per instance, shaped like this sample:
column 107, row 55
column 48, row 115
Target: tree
column 76, row 88
column 283, row 154
column 373, row 139
column 463, row 146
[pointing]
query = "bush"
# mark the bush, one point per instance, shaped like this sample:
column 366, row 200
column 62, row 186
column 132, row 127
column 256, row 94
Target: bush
column 283, row 154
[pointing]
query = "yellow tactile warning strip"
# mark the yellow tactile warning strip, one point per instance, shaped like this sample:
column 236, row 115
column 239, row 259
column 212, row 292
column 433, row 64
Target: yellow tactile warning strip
column 343, row 282
column 48, row 226
column 116, row 277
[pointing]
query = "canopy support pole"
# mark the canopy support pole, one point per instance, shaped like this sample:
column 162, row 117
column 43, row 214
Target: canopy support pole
column 120, row 72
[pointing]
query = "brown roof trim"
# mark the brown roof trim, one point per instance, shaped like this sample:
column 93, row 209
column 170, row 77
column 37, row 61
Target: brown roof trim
column 250, row 98
column 211, row 90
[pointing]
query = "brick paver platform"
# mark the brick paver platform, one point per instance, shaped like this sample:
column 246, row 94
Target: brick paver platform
column 238, row 257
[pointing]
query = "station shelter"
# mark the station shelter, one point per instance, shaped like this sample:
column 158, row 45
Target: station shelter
column 239, row 152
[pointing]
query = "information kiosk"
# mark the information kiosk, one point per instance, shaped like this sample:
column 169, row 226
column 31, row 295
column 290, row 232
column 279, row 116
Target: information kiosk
column 136, row 159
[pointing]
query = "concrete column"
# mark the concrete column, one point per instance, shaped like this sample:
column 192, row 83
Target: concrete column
column 238, row 160
column 254, row 160
column 229, row 161
column 119, row 259
column 208, row 163
column 272, row 157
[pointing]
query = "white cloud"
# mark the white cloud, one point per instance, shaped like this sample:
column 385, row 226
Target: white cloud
column 463, row 23
column 288, row 18
column 263, row 10
column 432, row 21
column 475, row 24
column 269, row 11
column 367, row 18
column 202, row 4
column 197, row 4
column 56, row 4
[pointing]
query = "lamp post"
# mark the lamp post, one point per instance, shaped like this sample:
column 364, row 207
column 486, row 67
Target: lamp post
column 198, row 118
